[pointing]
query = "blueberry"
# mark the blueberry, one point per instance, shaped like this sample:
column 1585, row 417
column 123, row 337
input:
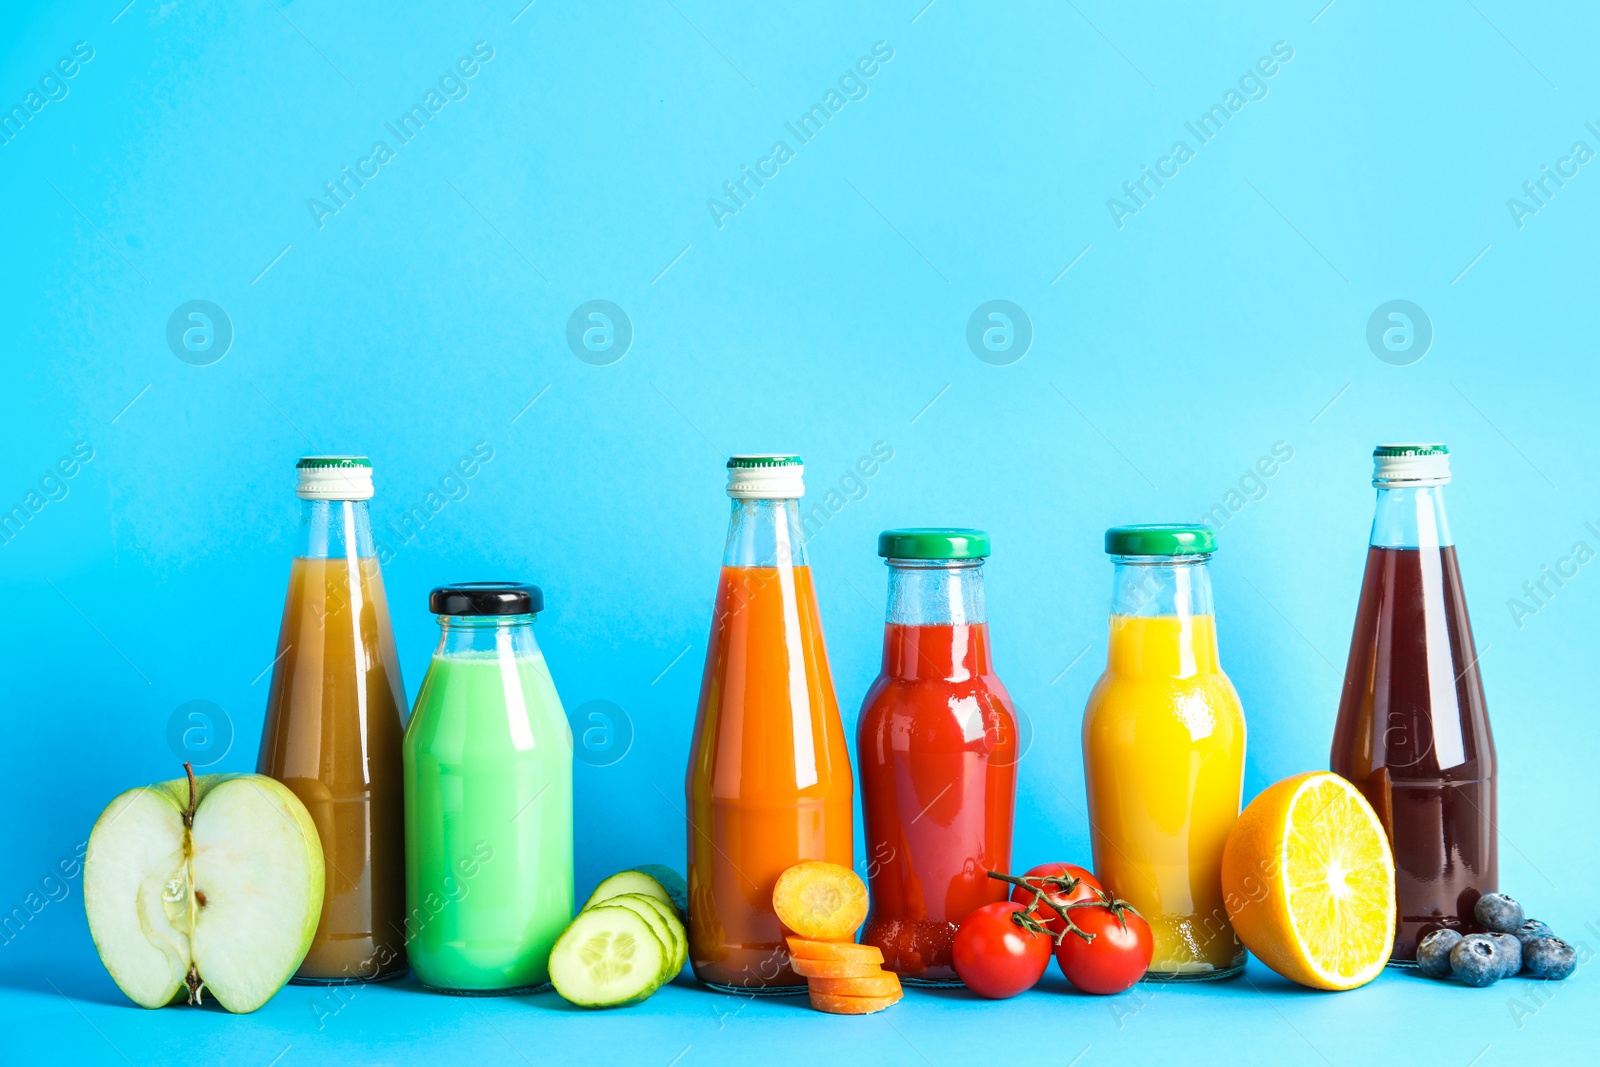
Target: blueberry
column 1549, row 957
column 1475, row 961
column 1531, row 929
column 1509, row 950
column 1498, row 913
column 1433, row 953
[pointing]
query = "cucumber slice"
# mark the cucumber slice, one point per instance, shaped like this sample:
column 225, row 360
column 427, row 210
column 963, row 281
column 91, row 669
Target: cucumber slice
column 655, row 913
column 680, row 936
column 629, row 882
column 672, row 882
column 607, row 957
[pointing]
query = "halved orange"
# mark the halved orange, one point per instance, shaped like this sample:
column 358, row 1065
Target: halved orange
column 1308, row 881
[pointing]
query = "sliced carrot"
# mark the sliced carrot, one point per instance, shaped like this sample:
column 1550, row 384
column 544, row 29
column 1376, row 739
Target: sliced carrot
column 886, row 984
column 834, row 968
column 835, row 1005
column 800, row 948
column 820, row 901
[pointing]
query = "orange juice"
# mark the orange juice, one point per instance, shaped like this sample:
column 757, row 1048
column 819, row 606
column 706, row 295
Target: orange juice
column 769, row 780
column 1163, row 751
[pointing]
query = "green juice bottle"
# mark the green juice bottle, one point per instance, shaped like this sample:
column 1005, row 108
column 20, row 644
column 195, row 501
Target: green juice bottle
column 488, row 799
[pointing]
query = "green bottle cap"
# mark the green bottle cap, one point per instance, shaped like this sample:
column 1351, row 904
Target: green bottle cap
column 1161, row 539
column 766, row 476
column 756, row 461
column 933, row 542
column 334, row 478
column 332, row 462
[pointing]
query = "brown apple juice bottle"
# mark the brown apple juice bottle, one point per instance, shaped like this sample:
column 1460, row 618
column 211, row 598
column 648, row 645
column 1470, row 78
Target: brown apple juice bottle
column 1413, row 731
column 334, row 725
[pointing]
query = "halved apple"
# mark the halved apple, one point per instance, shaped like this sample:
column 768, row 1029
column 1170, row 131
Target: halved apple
column 211, row 883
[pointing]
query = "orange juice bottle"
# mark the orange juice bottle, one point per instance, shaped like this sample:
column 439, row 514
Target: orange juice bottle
column 769, row 779
column 1163, row 751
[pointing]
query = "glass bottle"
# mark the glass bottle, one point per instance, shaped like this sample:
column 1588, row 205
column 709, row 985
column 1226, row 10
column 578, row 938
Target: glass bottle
column 1163, row 751
column 1413, row 728
column 768, row 782
column 333, row 724
column 938, row 745
column 488, row 788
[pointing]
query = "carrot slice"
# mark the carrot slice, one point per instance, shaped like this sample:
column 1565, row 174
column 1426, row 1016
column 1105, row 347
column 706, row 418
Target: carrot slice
column 833, row 950
column 820, row 901
column 886, row 984
column 835, row 1005
column 834, row 968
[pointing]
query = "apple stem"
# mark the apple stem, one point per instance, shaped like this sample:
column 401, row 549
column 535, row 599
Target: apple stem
column 188, row 816
column 196, row 987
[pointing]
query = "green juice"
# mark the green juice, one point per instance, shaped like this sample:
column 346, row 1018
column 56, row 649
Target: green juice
column 488, row 809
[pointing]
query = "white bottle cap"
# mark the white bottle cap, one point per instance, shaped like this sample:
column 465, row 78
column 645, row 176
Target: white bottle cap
column 334, row 478
column 1410, row 466
column 766, row 476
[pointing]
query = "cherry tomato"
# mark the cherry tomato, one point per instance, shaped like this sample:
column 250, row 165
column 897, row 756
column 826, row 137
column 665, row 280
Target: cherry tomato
column 1084, row 891
column 995, row 955
column 1116, row 958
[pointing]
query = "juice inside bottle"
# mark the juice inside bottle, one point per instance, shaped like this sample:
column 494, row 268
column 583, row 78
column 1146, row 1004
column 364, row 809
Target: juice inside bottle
column 333, row 726
column 937, row 741
column 768, row 782
column 1163, row 751
column 1413, row 727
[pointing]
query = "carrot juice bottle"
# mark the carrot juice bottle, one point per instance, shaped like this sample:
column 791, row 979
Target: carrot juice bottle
column 334, row 722
column 769, row 771
column 937, row 742
column 1413, row 728
column 1163, row 751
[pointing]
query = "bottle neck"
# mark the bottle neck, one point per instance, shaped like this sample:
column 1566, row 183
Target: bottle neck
column 937, row 626
column 482, row 635
column 936, row 592
column 335, row 529
column 765, row 533
column 1162, row 621
column 1160, row 585
column 1410, row 517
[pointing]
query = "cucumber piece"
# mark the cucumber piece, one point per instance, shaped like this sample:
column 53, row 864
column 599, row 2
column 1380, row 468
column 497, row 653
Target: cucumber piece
column 655, row 913
column 680, row 936
column 672, row 882
column 608, row 956
column 629, row 882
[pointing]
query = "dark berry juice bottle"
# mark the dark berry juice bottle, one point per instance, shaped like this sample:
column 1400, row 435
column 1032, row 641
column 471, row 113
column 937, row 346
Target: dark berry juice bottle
column 1413, row 731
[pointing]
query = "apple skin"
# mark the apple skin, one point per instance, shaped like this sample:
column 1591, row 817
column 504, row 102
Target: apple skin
column 174, row 796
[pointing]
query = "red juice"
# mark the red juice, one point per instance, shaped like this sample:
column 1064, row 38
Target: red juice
column 938, row 751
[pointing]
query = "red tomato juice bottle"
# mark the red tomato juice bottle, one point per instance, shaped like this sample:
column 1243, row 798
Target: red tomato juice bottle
column 769, row 781
column 938, row 747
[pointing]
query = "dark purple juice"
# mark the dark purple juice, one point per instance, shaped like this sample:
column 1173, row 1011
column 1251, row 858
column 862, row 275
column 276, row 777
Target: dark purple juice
column 1413, row 735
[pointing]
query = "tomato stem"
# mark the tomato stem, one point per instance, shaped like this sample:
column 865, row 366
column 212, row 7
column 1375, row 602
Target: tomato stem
column 1116, row 905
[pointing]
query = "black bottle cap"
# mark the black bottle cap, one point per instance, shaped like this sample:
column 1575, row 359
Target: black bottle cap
column 486, row 598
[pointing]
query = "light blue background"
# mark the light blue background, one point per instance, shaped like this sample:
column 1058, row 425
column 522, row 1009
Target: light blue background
column 1228, row 314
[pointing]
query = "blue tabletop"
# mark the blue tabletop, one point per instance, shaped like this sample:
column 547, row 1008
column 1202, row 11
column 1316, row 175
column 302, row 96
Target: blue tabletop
column 68, row 1011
